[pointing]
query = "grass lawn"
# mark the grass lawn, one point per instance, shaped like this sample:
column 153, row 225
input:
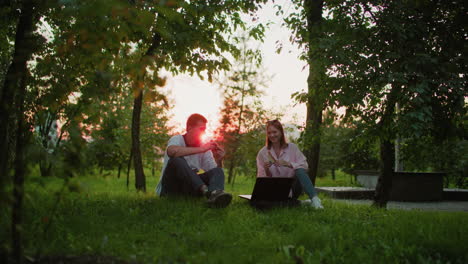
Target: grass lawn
column 100, row 217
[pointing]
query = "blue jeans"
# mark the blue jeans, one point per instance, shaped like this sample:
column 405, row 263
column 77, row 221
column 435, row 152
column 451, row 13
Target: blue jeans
column 180, row 179
column 302, row 183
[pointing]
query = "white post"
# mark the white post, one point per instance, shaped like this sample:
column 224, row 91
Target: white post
column 398, row 162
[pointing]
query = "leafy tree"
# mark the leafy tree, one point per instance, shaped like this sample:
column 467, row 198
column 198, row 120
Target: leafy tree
column 111, row 143
column 75, row 60
column 387, row 52
column 242, row 115
column 7, row 31
column 177, row 35
column 46, row 137
column 450, row 157
column 306, row 24
column 12, row 108
column 333, row 138
column 370, row 55
column 78, row 70
column 359, row 152
column 344, row 146
column 187, row 37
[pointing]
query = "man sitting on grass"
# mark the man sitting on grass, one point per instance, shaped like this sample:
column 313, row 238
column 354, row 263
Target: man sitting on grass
column 186, row 155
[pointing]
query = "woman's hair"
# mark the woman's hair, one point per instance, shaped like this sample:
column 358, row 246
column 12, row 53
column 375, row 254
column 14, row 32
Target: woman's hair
column 275, row 123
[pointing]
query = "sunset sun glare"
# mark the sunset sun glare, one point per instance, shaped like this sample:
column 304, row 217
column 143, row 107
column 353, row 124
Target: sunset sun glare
column 207, row 136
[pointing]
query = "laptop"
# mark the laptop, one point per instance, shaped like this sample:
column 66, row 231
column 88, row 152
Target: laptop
column 271, row 191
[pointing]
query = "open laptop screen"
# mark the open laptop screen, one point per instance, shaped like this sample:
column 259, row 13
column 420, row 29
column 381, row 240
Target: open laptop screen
column 272, row 189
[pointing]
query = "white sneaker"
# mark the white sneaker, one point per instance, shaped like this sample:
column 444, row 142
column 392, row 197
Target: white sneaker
column 314, row 203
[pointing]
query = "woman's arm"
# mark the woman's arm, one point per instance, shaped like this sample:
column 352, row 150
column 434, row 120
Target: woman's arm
column 263, row 168
column 300, row 161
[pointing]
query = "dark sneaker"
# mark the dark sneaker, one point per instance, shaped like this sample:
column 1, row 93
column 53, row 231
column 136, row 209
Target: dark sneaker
column 219, row 199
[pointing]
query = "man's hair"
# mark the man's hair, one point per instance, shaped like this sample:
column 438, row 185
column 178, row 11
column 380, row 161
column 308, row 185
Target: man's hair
column 194, row 119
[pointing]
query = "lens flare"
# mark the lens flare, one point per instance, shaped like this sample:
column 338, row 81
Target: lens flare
column 203, row 139
column 206, row 137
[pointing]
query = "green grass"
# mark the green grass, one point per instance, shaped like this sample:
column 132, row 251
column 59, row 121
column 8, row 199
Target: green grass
column 341, row 179
column 100, row 217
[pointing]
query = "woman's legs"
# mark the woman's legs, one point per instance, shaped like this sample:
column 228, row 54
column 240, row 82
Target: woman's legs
column 306, row 183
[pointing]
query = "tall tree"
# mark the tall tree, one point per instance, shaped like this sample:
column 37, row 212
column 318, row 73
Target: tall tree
column 242, row 112
column 112, row 138
column 315, row 84
column 78, row 69
column 94, row 66
column 378, row 53
column 14, row 90
column 307, row 29
column 388, row 52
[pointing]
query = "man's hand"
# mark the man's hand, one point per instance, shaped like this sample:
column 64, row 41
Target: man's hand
column 209, row 146
column 218, row 154
column 219, row 151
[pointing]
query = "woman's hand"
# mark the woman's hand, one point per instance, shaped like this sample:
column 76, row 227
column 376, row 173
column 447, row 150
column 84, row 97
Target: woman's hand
column 266, row 167
column 285, row 164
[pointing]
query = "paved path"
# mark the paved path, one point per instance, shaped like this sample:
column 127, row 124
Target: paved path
column 449, row 206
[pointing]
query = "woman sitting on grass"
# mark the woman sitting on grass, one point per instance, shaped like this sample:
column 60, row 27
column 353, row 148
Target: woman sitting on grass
column 281, row 159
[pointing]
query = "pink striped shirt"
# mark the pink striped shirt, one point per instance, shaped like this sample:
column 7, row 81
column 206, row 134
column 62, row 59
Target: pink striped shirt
column 290, row 154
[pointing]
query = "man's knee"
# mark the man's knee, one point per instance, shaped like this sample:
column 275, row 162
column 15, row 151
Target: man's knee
column 177, row 162
column 216, row 171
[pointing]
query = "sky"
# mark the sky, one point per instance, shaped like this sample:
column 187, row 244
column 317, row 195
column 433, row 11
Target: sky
column 191, row 95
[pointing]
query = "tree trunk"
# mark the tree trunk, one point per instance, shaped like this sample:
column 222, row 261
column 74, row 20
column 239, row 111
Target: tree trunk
column 333, row 174
column 233, row 178
column 140, row 182
column 312, row 148
column 384, row 183
column 387, row 155
column 16, row 71
column 399, row 165
column 14, row 90
column 231, row 174
column 18, row 179
column 120, row 169
column 231, row 171
column 129, row 167
column 315, row 99
column 45, row 167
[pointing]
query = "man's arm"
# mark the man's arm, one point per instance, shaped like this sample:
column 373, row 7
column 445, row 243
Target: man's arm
column 179, row 151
